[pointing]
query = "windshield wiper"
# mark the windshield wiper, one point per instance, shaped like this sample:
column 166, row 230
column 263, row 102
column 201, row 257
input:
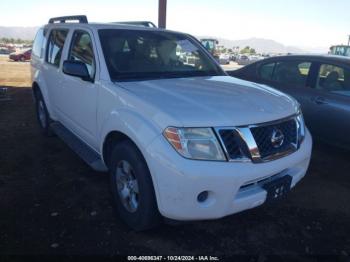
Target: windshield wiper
column 163, row 75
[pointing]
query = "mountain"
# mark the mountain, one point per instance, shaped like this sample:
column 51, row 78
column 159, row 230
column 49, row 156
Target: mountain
column 24, row 33
column 261, row 45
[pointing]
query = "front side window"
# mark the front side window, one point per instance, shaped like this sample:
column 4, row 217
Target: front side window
column 292, row 72
column 140, row 54
column 82, row 50
column 334, row 79
column 55, row 46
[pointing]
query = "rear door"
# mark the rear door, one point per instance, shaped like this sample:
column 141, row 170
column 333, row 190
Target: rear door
column 52, row 66
column 331, row 99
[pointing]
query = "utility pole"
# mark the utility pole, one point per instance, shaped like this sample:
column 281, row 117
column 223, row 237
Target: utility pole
column 162, row 13
column 349, row 41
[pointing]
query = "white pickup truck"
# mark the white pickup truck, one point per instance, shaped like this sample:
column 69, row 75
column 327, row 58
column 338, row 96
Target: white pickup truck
column 181, row 140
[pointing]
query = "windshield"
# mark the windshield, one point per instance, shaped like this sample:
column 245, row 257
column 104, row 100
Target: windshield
column 141, row 54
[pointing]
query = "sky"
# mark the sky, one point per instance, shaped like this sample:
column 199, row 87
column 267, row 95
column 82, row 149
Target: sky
column 301, row 23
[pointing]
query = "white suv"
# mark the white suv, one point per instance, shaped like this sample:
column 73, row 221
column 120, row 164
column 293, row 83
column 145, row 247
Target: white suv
column 180, row 138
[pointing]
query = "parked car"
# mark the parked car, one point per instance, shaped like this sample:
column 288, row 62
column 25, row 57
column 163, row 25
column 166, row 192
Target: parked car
column 321, row 84
column 181, row 141
column 232, row 57
column 243, row 60
column 224, row 59
column 22, row 56
column 254, row 58
column 4, row 51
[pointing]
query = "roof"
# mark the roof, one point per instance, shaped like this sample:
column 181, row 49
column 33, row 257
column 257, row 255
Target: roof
column 112, row 25
column 348, row 46
column 330, row 58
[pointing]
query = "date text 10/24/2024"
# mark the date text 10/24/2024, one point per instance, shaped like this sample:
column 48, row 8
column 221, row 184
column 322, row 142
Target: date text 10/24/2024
column 172, row 258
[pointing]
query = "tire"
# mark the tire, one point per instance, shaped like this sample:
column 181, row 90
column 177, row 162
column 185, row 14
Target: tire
column 42, row 115
column 132, row 187
column 22, row 59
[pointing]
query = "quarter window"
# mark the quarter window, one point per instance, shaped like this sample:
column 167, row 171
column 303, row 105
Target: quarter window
column 38, row 43
column 334, row 79
column 55, row 46
column 82, row 50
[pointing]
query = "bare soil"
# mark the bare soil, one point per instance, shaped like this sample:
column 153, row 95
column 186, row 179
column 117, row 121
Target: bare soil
column 52, row 203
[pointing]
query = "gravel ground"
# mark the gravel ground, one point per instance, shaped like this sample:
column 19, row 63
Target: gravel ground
column 52, row 203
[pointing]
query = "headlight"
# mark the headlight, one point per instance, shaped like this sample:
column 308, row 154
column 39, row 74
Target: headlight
column 195, row 143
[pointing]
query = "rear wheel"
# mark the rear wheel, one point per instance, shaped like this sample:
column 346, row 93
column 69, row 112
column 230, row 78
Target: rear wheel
column 42, row 114
column 132, row 187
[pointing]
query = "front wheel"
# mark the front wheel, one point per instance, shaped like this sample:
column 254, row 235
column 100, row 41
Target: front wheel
column 132, row 187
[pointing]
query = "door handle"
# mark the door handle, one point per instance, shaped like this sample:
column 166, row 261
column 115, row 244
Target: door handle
column 320, row 100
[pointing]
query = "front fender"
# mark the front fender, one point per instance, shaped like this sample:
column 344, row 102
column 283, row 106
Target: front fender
column 132, row 124
column 137, row 128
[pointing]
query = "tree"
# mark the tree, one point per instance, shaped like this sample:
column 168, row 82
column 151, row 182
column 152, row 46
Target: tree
column 6, row 40
column 248, row 50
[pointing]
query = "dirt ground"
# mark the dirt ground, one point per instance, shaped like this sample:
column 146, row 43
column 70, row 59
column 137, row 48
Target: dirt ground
column 52, row 203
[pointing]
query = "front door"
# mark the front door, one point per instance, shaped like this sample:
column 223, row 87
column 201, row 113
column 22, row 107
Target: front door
column 79, row 97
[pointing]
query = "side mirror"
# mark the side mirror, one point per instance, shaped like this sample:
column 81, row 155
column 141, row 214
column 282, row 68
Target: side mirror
column 76, row 68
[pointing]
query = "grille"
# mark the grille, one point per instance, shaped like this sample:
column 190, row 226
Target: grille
column 231, row 142
column 263, row 136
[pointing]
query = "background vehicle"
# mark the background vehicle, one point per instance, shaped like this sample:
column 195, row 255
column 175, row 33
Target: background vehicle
column 224, row 59
column 233, row 57
column 243, row 60
column 342, row 50
column 23, row 55
column 321, row 84
column 254, row 58
column 4, row 51
column 211, row 45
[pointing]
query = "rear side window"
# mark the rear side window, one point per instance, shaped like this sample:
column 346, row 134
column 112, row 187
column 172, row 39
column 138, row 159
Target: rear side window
column 266, row 71
column 82, row 50
column 334, row 79
column 55, row 46
column 291, row 72
column 38, row 43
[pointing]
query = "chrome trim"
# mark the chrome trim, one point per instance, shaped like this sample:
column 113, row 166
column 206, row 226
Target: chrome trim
column 247, row 138
column 271, row 122
column 244, row 159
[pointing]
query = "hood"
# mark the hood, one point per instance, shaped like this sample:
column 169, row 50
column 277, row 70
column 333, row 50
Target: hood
column 213, row 101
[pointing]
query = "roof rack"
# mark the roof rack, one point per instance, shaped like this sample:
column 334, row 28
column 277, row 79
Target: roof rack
column 138, row 23
column 63, row 19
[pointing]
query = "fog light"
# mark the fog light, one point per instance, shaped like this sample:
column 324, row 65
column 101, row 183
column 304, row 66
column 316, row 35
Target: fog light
column 202, row 196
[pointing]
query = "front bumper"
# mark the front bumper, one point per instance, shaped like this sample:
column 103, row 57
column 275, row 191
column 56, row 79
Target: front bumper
column 232, row 186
